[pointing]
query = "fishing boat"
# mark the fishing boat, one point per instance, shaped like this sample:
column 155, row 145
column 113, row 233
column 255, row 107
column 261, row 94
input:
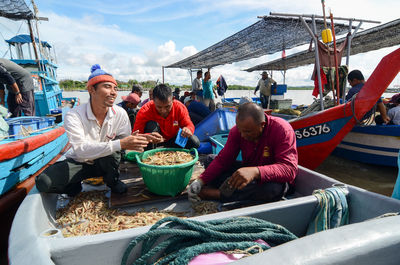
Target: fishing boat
column 367, row 143
column 372, row 144
column 41, row 242
column 34, row 141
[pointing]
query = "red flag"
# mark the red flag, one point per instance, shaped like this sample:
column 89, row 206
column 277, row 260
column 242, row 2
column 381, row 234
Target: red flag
column 283, row 54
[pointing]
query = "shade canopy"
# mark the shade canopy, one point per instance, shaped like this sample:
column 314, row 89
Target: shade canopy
column 267, row 36
column 382, row 36
column 15, row 9
column 24, row 38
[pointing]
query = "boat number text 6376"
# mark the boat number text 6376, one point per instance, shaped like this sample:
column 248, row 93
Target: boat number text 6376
column 312, row 131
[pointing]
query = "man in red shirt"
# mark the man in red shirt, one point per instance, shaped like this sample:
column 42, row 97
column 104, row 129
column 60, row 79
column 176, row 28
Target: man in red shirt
column 269, row 167
column 162, row 118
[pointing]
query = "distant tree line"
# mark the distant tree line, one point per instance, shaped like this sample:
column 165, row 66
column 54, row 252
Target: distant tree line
column 69, row 85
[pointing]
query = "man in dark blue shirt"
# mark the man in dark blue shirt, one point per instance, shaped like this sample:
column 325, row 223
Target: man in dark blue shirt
column 356, row 80
column 21, row 96
column 197, row 110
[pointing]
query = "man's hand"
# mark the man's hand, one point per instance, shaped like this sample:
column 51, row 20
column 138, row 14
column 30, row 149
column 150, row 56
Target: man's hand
column 194, row 189
column 153, row 137
column 18, row 98
column 255, row 93
column 186, row 132
column 134, row 142
column 243, row 176
column 386, row 119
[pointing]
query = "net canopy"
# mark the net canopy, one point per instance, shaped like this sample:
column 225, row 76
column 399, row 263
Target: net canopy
column 15, row 9
column 267, row 36
column 385, row 35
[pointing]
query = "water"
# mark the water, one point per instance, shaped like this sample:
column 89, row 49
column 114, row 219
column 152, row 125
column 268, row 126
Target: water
column 298, row 96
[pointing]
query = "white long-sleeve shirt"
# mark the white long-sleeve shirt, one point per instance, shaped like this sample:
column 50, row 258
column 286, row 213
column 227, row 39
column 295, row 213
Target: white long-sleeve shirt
column 89, row 141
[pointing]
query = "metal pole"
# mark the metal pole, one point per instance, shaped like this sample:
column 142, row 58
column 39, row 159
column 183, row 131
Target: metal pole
column 317, row 65
column 163, row 74
column 29, row 49
column 349, row 39
column 9, row 48
column 349, row 43
column 316, row 16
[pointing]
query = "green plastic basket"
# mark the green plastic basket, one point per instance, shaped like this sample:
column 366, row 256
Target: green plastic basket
column 131, row 156
column 166, row 180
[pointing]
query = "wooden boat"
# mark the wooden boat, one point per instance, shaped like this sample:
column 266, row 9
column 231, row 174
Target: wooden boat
column 373, row 144
column 32, row 240
column 34, row 142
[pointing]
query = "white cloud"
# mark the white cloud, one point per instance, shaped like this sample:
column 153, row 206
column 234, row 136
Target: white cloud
column 80, row 43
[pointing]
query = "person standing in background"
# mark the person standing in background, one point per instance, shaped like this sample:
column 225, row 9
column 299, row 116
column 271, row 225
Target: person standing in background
column 208, row 91
column 21, row 96
column 197, row 87
column 264, row 85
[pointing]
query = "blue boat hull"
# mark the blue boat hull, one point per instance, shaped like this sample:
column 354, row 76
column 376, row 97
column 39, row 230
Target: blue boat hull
column 18, row 169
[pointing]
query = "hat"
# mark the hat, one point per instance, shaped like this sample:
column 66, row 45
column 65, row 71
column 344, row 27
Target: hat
column 99, row 75
column 177, row 90
column 395, row 98
column 132, row 98
column 186, row 100
column 264, row 73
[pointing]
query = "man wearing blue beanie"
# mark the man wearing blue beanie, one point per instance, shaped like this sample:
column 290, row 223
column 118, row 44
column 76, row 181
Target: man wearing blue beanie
column 97, row 132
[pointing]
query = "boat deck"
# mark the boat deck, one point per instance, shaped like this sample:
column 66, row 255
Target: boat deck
column 137, row 193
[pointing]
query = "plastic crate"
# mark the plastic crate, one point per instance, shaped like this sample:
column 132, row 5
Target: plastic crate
column 280, row 104
column 219, row 121
column 218, row 142
column 28, row 123
column 280, row 90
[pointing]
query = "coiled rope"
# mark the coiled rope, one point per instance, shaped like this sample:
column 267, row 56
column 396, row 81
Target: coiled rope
column 181, row 240
column 361, row 122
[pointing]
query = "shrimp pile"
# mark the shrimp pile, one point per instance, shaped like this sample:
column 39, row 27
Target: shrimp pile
column 167, row 158
column 205, row 207
column 88, row 214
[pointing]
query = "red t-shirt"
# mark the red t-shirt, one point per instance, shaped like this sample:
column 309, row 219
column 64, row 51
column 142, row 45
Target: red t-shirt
column 177, row 118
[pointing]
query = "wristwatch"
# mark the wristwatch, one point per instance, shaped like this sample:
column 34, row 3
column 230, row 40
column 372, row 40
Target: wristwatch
column 18, row 93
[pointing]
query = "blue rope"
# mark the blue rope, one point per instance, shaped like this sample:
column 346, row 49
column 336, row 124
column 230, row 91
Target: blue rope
column 332, row 210
column 182, row 240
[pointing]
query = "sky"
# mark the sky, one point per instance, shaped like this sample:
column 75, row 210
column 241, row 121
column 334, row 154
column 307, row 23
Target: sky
column 134, row 39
